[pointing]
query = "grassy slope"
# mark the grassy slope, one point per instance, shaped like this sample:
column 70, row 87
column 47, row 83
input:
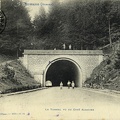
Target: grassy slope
column 105, row 75
column 4, row 58
column 21, row 77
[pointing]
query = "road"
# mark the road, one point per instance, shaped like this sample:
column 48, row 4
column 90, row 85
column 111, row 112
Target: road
column 53, row 103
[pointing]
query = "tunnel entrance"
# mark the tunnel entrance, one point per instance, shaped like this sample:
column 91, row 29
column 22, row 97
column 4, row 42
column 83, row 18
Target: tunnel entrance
column 63, row 70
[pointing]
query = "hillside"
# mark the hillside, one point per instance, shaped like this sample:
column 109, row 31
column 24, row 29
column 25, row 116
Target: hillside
column 14, row 77
column 107, row 74
column 4, row 58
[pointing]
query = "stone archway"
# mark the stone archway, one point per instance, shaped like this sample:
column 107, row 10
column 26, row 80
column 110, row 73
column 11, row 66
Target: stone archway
column 63, row 69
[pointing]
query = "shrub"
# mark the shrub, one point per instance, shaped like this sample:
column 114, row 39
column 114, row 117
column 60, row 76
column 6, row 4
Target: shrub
column 108, row 61
column 8, row 72
column 117, row 61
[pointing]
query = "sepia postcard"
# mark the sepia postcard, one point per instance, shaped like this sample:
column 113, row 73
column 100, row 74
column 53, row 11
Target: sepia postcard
column 59, row 59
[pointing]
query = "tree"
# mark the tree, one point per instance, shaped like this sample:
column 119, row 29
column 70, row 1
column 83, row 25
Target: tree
column 117, row 62
column 18, row 28
column 39, row 23
column 83, row 24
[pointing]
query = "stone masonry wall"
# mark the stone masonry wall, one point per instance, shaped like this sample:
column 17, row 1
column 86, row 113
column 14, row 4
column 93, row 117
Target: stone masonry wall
column 37, row 63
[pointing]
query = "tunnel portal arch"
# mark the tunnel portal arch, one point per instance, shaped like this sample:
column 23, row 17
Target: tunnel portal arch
column 37, row 62
column 63, row 69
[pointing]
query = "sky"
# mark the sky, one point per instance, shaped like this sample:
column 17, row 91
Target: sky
column 34, row 5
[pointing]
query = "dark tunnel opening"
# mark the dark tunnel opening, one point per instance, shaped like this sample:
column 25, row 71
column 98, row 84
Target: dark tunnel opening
column 63, row 70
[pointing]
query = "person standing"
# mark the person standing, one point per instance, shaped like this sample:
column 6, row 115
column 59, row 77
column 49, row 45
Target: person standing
column 61, row 85
column 68, row 83
column 70, row 47
column 73, row 84
column 64, row 46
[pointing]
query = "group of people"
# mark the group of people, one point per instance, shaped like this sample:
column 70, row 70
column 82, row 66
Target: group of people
column 65, row 48
column 72, row 84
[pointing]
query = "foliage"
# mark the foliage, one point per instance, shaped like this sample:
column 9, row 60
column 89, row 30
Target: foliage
column 8, row 73
column 18, row 27
column 83, row 24
column 20, row 88
column 107, row 74
column 15, row 77
column 117, row 61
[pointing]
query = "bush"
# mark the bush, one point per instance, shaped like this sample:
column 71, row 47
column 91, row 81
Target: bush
column 117, row 61
column 117, row 64
column 20, row 88
column 108, row 61
column 8, row 72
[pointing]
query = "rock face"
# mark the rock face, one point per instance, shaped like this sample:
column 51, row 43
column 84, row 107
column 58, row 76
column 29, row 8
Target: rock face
column 107, row 74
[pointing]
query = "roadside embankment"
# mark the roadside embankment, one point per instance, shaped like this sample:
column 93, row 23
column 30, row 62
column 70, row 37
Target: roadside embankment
column 15, row 77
